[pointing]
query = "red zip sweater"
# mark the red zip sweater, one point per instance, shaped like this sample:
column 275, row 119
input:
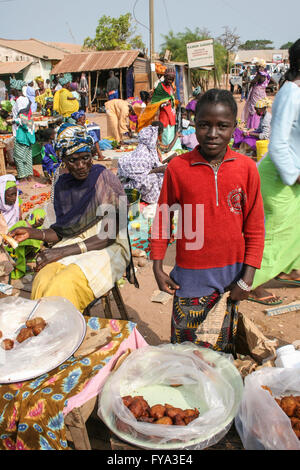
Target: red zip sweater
column 233, row 225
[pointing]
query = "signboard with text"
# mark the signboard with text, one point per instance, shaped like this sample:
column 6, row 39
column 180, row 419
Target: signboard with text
column 201, row 54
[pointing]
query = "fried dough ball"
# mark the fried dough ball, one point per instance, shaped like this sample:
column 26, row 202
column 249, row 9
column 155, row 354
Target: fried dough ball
column 35, row 322
column 127, row 400
column 295, row 421
column 24, row 334
column 7, row 344
column 145, row 419
column 157, row 411
column 38, row 329
column 288, row 405
column 278, row 401
column 1, row 334
column 172, row 412
column 296, row 429
column 138, row 407
column 297, row 412
column 178, row 421
column 191, row 413
column 165, row 420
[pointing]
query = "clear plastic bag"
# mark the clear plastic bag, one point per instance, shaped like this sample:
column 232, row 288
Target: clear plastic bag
column 260, row 422
column 149, row 372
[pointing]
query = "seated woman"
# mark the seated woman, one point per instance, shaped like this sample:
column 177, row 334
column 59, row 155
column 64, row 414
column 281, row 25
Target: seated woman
column 5, row 109
column 251, row 136
column 80, row 119
column 50, row 161
column 134, row 168
column 91, row 250
column 191, row 106
column 9, row 200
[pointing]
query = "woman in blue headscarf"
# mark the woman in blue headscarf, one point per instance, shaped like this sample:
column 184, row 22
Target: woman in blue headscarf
column 91, row 249
column 80, row 119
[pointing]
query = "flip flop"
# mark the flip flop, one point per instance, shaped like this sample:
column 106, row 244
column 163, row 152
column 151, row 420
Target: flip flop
column 263, row 300
column 292, row 282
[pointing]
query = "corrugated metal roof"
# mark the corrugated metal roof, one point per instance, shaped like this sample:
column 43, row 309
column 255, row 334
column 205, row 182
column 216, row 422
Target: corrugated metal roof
column 92, row 61
column 13, row 67
column 34, row 48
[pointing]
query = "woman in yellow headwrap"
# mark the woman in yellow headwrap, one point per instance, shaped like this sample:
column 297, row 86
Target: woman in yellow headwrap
column 64, row 102
column 41, row 93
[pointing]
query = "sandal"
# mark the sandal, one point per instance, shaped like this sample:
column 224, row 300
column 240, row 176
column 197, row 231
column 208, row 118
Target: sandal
column 292, row 282
column 264, row 300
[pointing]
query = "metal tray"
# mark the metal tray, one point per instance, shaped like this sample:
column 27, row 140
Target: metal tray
column 38, row 355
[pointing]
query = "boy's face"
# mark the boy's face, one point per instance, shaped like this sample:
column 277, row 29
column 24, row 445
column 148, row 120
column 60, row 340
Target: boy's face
column 215, row 124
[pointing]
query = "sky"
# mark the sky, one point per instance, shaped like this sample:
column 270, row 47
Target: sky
column 74, row 20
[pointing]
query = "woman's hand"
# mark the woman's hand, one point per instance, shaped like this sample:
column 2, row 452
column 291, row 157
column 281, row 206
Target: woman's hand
column 48, row 256
column 164, row 282
column 21, row 234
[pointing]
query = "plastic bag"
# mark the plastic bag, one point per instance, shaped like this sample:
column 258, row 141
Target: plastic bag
column 37, row 355
column 260, row 422
column 150, row 371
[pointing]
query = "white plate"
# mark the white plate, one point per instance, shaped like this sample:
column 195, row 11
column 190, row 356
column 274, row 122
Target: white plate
column 40, row 354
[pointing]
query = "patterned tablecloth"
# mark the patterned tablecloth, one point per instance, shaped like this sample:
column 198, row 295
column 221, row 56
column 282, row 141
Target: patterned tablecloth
column 32, row 412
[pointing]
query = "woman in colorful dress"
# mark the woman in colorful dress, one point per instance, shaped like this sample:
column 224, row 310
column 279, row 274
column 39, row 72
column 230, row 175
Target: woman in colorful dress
column 64, row 102
column 23, row 131
column 91, row 252
column 257, row 92
column 280, row 180
column 134, row 167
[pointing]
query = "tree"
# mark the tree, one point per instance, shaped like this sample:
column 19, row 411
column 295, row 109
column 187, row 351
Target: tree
column 115, row 34
column 258, row 44
column 287, row 45
column 176, row 43
column 230, row 41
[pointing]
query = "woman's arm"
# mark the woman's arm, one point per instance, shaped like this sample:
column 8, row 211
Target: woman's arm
column 55, row 254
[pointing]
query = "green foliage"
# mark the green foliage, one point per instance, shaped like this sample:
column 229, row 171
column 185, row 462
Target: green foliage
column 176, row 43
column 258, row 44
column 287, row 45
column 115, row 34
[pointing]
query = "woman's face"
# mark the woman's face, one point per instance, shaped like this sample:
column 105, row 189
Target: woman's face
column 169, row 79
column 81, row 120
column 11, row 196
column 79, row 165
column 215, row 124
column 40, row 85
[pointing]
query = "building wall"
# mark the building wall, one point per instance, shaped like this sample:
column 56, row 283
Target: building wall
column 9, row 55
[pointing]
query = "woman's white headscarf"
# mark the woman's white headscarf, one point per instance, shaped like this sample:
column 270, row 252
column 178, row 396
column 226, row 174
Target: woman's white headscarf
column 10, row 213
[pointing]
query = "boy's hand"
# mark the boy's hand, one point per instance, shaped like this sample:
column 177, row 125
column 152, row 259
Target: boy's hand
column 164, row 282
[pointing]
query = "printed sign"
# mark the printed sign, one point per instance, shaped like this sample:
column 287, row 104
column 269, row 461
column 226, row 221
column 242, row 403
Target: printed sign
column 201, row 54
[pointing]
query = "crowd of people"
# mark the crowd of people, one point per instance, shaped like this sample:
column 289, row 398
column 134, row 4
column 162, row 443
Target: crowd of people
column 239, row 218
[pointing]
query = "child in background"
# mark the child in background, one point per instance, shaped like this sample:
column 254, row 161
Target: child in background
column 50, row 161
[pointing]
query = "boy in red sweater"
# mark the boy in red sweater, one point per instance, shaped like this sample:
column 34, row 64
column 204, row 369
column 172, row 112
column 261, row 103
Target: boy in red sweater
column 221, row 228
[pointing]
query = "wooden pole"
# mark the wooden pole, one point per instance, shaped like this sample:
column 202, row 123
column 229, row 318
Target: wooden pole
column 121, row 84
column 151, row 27
column 90, row 92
